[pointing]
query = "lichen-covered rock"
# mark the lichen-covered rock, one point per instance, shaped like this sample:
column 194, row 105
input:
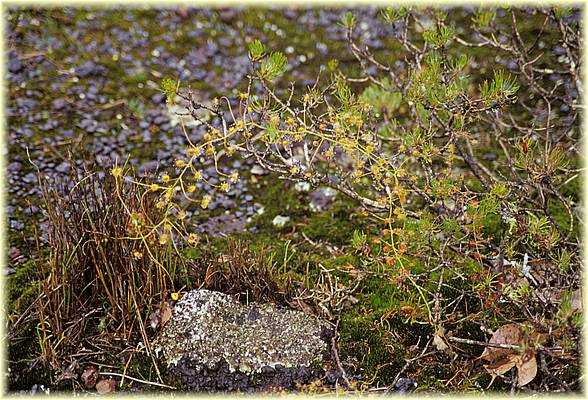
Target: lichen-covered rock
column 208, row 329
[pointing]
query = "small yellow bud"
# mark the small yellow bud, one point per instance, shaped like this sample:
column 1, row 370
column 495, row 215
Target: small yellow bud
column 165, row 178
column 194, row 151
column 180, row 163
column 225, row 187
column 116, row 172
column 193, row 238
column 163, row 238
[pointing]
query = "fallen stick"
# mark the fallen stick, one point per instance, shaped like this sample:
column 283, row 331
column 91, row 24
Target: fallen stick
column 137, row 380
column 475, row 342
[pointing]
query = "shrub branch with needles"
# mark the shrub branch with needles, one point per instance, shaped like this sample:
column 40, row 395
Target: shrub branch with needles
column 407, row 140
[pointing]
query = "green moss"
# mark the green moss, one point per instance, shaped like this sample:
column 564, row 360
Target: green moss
column 23, row 286
column 380, row 356
column 433, row 376
column 573, row 189
column 332, row 226
column 22, row 351
column 142, row 367
column 561, row 217
column 492, row 224
column 277, row 198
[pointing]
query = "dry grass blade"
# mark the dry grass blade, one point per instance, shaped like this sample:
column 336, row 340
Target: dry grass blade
column 102, row 247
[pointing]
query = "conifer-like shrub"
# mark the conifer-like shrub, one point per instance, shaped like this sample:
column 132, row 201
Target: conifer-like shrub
column 462, row 145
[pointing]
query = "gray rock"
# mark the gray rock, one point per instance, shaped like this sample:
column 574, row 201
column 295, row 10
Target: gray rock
column 405, row 385
column 322, row 199
column 17, row 225
column 208, row 328
column 257, row 170
column 14, row 65
column 280, row 221
column 87, row 69
column 302, row 186
column 31, row 210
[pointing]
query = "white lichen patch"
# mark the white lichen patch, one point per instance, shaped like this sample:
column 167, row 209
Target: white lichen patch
column 208, row 327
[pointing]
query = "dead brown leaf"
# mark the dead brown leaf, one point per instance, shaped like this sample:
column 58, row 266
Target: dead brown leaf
column 154, row 319
column 106, row 386
column 438, row 340
column 507, row 334
column 527, row 368
column 165, row 313
column 500, row 366
column 503, row 360
column 160, row 315
column 407, row 310
column 89, row 377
